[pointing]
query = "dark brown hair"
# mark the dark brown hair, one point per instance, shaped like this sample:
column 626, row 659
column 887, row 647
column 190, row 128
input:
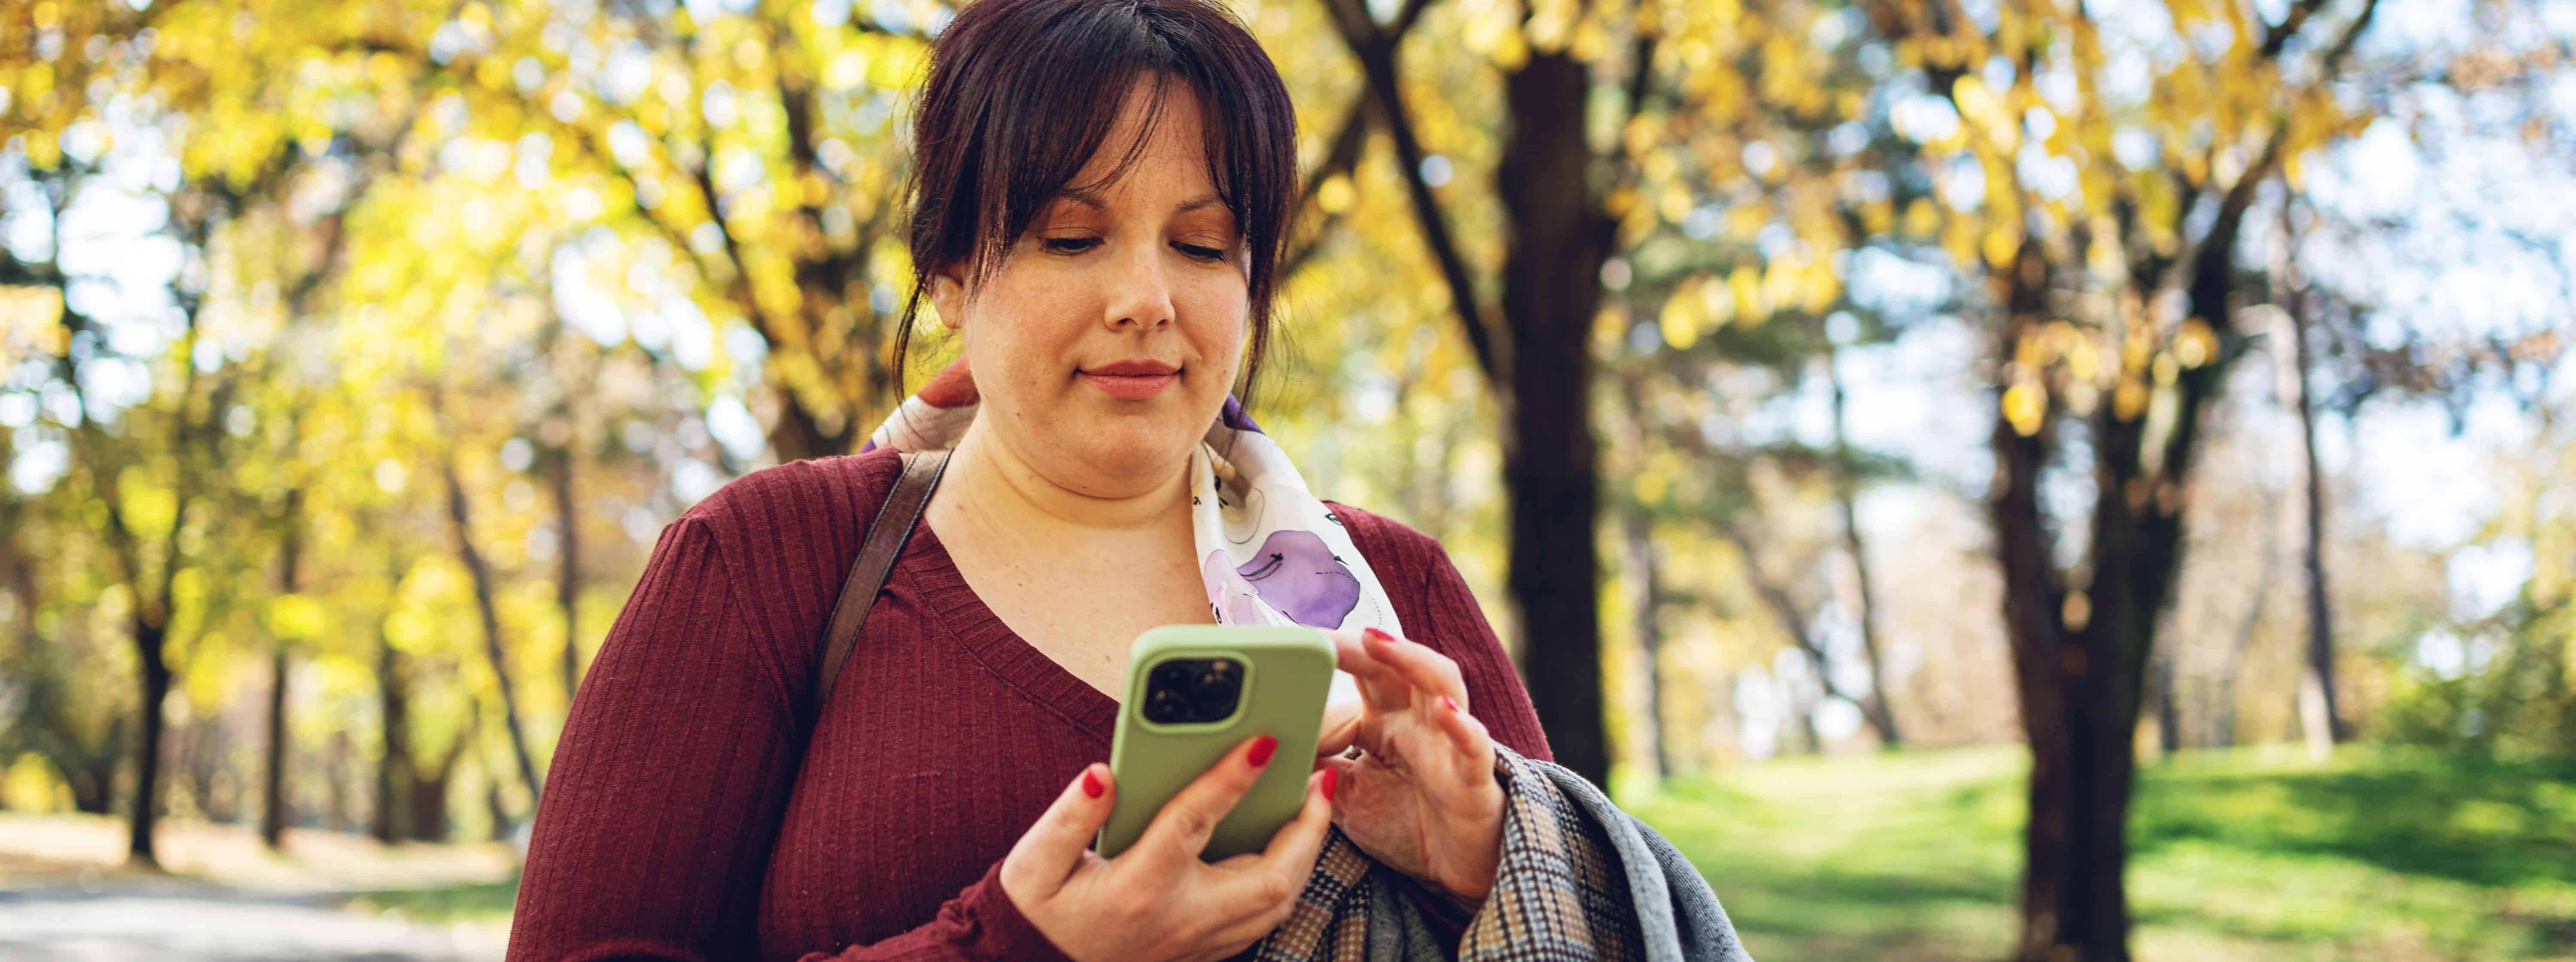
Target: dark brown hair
column 1021, row 93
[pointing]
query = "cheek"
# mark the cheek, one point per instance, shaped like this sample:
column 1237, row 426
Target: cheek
column 1016, row 329
column 1219, row 318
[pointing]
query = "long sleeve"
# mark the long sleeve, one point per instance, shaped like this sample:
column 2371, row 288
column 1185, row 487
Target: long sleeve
column 1438, row 610
column 653, row 832
column 1494, row 692
column 980, row 923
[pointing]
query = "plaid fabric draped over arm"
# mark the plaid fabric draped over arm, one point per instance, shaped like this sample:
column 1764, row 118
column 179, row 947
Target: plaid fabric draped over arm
column 1563, row 891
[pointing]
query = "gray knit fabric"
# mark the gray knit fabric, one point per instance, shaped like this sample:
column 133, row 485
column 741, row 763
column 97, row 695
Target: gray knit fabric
column 1579, row 880
column 1677, row 913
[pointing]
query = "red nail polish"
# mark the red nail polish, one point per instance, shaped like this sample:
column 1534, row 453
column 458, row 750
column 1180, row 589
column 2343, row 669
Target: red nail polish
column 1449, row 703
column 1091, row 784
column 1331, row 775
column 1376, row 634
column 1261, row 749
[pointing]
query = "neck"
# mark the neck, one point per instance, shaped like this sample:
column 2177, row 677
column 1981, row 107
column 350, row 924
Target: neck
column 1006, row 489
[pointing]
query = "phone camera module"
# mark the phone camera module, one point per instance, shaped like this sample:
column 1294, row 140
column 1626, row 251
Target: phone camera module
column 1193, row 690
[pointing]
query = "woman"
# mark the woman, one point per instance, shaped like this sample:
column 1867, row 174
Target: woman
column 1102, row 190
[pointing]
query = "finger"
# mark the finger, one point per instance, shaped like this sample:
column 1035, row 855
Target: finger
column 1180, row 831
column 1305, row 833
column 1045, row 855
column 1429, row 671
column 1341, row 727
column 1267, row 891
column 1381, row 686
column 1466, row 733
column 1343, row 770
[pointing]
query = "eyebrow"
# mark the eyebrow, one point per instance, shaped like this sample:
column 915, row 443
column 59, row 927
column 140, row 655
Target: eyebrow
column 1093, row 199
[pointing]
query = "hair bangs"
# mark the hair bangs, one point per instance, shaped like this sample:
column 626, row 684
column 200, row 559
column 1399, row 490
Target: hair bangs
column 1023, row 94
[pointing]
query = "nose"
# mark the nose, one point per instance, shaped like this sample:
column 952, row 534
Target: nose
column 1140, row 297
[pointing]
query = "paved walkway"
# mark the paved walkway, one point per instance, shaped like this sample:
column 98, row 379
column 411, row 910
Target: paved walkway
column 122, row 920
column 65, row 895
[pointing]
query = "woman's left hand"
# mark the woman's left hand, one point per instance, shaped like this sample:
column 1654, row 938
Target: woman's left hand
column 1422, row 799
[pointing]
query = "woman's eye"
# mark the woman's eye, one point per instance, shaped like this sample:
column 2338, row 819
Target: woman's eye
column 1202, row 253
column 1071, row 245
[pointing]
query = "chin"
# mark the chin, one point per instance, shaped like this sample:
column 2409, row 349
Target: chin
column 1116, row 456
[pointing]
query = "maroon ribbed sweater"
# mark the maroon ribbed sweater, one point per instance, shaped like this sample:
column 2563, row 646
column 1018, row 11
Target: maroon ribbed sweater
column 677, row 822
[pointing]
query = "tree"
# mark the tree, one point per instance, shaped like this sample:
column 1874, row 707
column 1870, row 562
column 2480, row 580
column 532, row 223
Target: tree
column 1864, row 609
column 2324, row 725
column 2122, row 277
column 1534, row 347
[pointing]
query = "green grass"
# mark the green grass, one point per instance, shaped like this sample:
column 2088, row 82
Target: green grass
column 479, row 902
column 2249, row 854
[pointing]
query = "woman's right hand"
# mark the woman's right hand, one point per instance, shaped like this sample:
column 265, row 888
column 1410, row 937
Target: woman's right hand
column 1156, row 900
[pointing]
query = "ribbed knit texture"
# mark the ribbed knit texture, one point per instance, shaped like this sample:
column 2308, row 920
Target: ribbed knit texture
column 677, row 822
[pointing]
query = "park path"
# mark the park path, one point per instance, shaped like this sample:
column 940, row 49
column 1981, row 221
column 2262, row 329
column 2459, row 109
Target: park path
column 173, row 919
column 67, row 896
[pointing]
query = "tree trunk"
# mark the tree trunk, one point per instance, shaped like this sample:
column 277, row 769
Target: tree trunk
column 90, row 797
column 2318, row 707
column 1880, row 715
column 2081, row 651
column 568, row 574
column 2168, row 712
column 335, row 765
column 272, row 816
column 1551, row 289
column 499, row 811
column 1647, row 597
column 429, row 804
column 394, row 770
column 1556, row 240
column 1793, row 622
column 2076, row 855
column 2222, row 716
column 93, row 777
column 290, row 554
column 460, row 517
column 155, row 678
column 429, row 822
column 1802, row 709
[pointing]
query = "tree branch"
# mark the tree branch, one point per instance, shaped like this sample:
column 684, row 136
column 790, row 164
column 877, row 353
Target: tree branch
column 1786, row 610
column 2277, row 36
column 1375, row 50
column 1341, row 158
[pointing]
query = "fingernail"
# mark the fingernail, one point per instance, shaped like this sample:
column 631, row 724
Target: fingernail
column 1331, row 775
column 1448, row 703
column 1261, row 749
column 1376, row 634
column 1091, row 784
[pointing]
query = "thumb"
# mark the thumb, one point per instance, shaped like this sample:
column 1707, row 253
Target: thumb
column 1046, row 855
column 1340, row 729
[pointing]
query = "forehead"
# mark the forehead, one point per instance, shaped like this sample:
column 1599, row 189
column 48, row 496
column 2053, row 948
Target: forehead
column 1171, row 158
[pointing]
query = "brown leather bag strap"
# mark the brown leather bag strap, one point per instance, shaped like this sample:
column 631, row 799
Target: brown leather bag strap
column 877, row 552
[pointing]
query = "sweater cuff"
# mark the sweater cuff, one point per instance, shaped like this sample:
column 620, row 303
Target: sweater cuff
column 1447, row 915
column 1001, row 931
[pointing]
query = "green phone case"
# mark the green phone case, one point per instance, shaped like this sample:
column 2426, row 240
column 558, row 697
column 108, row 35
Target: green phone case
column 1287, row 673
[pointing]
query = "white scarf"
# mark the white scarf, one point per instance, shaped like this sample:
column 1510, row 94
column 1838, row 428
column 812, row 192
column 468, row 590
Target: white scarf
column 1269, row 552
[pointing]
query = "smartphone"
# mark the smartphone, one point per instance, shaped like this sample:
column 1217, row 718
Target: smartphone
column 1196, row 691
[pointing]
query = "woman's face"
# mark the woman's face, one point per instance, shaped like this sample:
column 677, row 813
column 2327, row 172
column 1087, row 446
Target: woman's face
column 1107, row 341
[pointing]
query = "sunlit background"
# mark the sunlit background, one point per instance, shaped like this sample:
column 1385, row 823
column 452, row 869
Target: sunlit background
column 2203, row 363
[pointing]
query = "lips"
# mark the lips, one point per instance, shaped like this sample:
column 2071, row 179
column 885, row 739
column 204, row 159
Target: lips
column 1131, row 380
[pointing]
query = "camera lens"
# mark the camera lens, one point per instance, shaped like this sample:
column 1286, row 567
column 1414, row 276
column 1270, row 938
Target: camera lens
column 1165, row 706
column 1217, row 687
